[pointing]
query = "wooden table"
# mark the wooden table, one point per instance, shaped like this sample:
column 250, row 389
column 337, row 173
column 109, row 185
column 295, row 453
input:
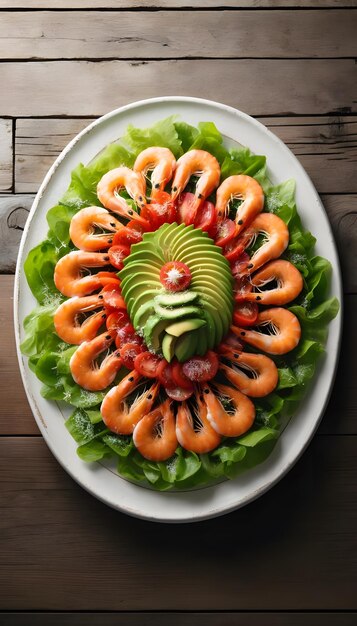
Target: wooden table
column 290, row 557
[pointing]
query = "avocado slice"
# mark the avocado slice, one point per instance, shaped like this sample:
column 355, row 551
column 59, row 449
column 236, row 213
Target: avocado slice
column 141, row 288
column 178, row 298
column 136, row 279
column 174, row 314
column 135, row 268
column 223, row 291
column 142, row 256
column 149, row 245
column 133, row 304
column 143, row 313
column 180, row 232
column 185, row 346
column 178, row 328
column 202, row 341
column 196, row 260
column 168, row 347
column 202, row 248
column 153, row 331
column 189, row 239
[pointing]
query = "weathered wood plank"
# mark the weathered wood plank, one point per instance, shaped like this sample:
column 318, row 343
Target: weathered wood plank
column 167, row 4
column 323, row 145
column 179, row 619
column 145, row 35
column 16, row 417
column 5, row 155
column 62, row 549
column 70, row 87
column 13, row 215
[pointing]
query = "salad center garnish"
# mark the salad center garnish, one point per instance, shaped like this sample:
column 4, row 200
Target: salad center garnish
column 175, row 302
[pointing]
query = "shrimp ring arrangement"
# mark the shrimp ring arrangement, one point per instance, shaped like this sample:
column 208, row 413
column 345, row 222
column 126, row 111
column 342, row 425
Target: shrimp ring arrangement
column 176, row 302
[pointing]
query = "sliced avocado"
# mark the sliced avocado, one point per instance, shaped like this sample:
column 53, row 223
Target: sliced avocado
column 178, row 328
column 225, row 291
column 202, row 248
column 143, row 256
column 153, row 330
column 189, row 239
column 180, row 232
column 169, row 237
column 141, row 288
column 167, row 298
column 143, row 313
column 197, row 260
column 133, row 304
column 149, row 245
column 202, row 341
column 137, row 267
column 185, row 346
column 168, row 347
column 163, row 239
column 135, row 279
column 181, row 311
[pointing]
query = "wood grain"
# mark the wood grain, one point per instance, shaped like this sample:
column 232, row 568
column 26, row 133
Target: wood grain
column 62, row 548
column 289, row 86
column 146, row 35
column 322, row 144
column 180, row 619
column 5, row 155
column 13, row 215
column 16, row 417
column 159, row 4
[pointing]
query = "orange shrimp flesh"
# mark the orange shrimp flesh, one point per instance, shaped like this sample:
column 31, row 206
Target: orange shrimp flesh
column 253, row 374
column 84, row 223
column 68, row 274
column 155, row 435
column 117, row 415
column 286, row 275
column 196, row 163
column 283, row 331
column 241, row 187
column 195, row 435
column 84, row 368
column 161, row 162
column 112, row 182
column 276, row 234
column 228, row 422
column 67, row 319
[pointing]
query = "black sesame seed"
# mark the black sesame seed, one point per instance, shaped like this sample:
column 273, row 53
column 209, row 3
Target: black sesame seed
column 107, row 337
column 242, row 333
column 112, row 224
column 157, row 186
column 240, row 222
column 200, row 196
column 174, row 188
column 249, row 266
column 131, row 379
column 130, row 212
column 100, row 297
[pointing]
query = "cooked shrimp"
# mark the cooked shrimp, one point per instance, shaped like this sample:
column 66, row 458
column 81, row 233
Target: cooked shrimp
column 154, row 436
column 134, row 183
column 161, row 162
column 117, row 415
column 253, row 374
column 289, row 283
column 84, row 368
column 83, row 225
column 68, row 274
column 283, row 328
column 196, row 435
column 231, row 422
column 241, row 187
column 196, row 163
column 276, row 235
column 67, row 319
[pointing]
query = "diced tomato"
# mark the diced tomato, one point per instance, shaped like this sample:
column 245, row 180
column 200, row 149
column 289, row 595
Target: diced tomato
column 116, row 320
column 179, row 377
column 233, row 342
column 233, row 250
column 117, row 254
column 128, row 354
column 225, row 233
column 146, row 364
column 245, row 313
column 164, row 373
column 200, row 369
column 206, row 218
column 163, row 208
column 138, row 227
column 112, row 297
column 126, row 237
column 175, row 276
column 178, row 393
column 127, row 334
column 186, row 210
column 239, row 267
column 242, row 286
